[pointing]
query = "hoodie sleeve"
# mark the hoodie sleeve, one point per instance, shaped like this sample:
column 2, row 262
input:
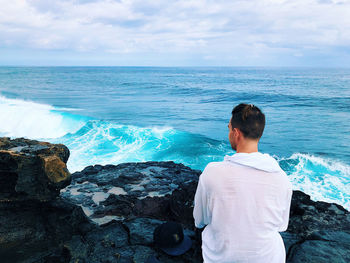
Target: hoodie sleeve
column 285, row 216
column 200, row 210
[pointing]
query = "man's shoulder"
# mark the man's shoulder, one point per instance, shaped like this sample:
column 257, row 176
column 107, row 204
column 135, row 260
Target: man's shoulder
column 213, row 168
column 214, row 165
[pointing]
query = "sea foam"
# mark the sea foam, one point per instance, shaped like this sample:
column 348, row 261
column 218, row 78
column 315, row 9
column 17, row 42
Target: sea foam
column 322, row 178
column 20, row 118
column 105, row 142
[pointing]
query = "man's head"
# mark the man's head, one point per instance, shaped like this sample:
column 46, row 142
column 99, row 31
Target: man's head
column 246, row 124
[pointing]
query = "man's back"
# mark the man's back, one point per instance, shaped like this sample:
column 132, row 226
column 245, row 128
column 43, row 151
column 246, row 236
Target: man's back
column 244, row 201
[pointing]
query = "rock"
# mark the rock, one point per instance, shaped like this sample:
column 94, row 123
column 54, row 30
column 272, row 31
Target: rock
column 37, row 225
column 141, row 196
column 34, row 229
column 289, row 240
column 141, row 254
column 105, row 243
column 126, row 202
column 158, row 190
column 333, row 246
column 141, row 230
column 308, row 216
column 34, row 221
column 32, row 170
column 317, row 231
column 130, row 194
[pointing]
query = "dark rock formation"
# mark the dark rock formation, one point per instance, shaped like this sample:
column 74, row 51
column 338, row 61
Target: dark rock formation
column 34, row 223
column 318, row 231
column 38, row 225
column 108, row 213
column 32, row 230
column 160, row 190
column 140, row 196
column 32, row 170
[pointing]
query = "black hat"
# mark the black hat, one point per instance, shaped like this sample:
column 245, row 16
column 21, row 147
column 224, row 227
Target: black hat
column 170, row 238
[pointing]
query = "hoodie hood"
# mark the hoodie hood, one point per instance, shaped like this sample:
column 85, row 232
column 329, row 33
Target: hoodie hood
column 255, row 160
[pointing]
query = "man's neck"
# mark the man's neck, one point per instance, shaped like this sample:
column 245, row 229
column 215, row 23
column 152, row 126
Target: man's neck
column 248, row 146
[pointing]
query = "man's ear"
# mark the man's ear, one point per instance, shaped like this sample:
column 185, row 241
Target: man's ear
column 238, row 133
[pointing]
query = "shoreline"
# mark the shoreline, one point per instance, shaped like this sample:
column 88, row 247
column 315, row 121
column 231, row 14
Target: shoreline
column 140, row 197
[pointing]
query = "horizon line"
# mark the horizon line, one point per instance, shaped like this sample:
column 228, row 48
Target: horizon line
column 153, row 66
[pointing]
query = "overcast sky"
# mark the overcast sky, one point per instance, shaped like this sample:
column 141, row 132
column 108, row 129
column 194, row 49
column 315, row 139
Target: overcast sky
column 175, row 33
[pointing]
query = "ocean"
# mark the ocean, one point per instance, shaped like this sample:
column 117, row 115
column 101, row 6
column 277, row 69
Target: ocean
column 111, row 115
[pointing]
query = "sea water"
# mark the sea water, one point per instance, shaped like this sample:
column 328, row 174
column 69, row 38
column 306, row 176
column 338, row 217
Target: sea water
column 110, row 115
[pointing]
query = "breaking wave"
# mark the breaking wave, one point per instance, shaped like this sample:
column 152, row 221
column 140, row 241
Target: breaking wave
column 20, row 118
column 323, row 179
column 104, row 142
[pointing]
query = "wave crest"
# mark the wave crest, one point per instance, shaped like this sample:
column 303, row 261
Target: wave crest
column 103, row 142
column 322, row 178
column 32, row 120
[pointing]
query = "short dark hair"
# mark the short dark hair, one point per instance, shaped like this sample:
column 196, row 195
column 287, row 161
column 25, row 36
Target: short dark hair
column 249, row 119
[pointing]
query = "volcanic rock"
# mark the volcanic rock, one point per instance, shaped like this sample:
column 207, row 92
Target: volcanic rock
column 32, row 170
column 137, row 194
column 108, row 213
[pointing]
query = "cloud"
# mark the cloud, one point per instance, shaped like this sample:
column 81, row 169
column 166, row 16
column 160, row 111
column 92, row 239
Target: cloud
column 257, row 31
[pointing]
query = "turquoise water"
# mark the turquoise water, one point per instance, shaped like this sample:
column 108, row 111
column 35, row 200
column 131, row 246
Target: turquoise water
column 119, row 114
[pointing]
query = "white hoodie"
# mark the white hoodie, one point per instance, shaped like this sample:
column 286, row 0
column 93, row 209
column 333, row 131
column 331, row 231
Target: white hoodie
column 244, row 202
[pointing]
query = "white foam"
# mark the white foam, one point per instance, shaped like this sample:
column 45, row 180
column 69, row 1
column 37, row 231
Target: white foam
column 33, row 120
column 326, row 162
column 129, row 144
column 159, row 132
column 323, row 179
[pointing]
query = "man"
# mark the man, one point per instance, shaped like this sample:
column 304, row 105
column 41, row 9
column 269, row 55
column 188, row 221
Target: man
column 243, row 201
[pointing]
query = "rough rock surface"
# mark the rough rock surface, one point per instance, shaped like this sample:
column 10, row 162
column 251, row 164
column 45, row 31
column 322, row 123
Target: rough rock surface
column 34, row 222
column 317, row 231
column 160, row 190
column 139, row 194
column 38, row 225
column 33, row 230
column 125, row 204
column 31, row 169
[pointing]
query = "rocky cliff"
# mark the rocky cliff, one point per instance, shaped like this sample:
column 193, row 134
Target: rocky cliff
column 108, row 213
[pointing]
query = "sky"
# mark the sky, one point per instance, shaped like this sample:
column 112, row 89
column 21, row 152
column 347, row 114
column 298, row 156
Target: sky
column 310, row 33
